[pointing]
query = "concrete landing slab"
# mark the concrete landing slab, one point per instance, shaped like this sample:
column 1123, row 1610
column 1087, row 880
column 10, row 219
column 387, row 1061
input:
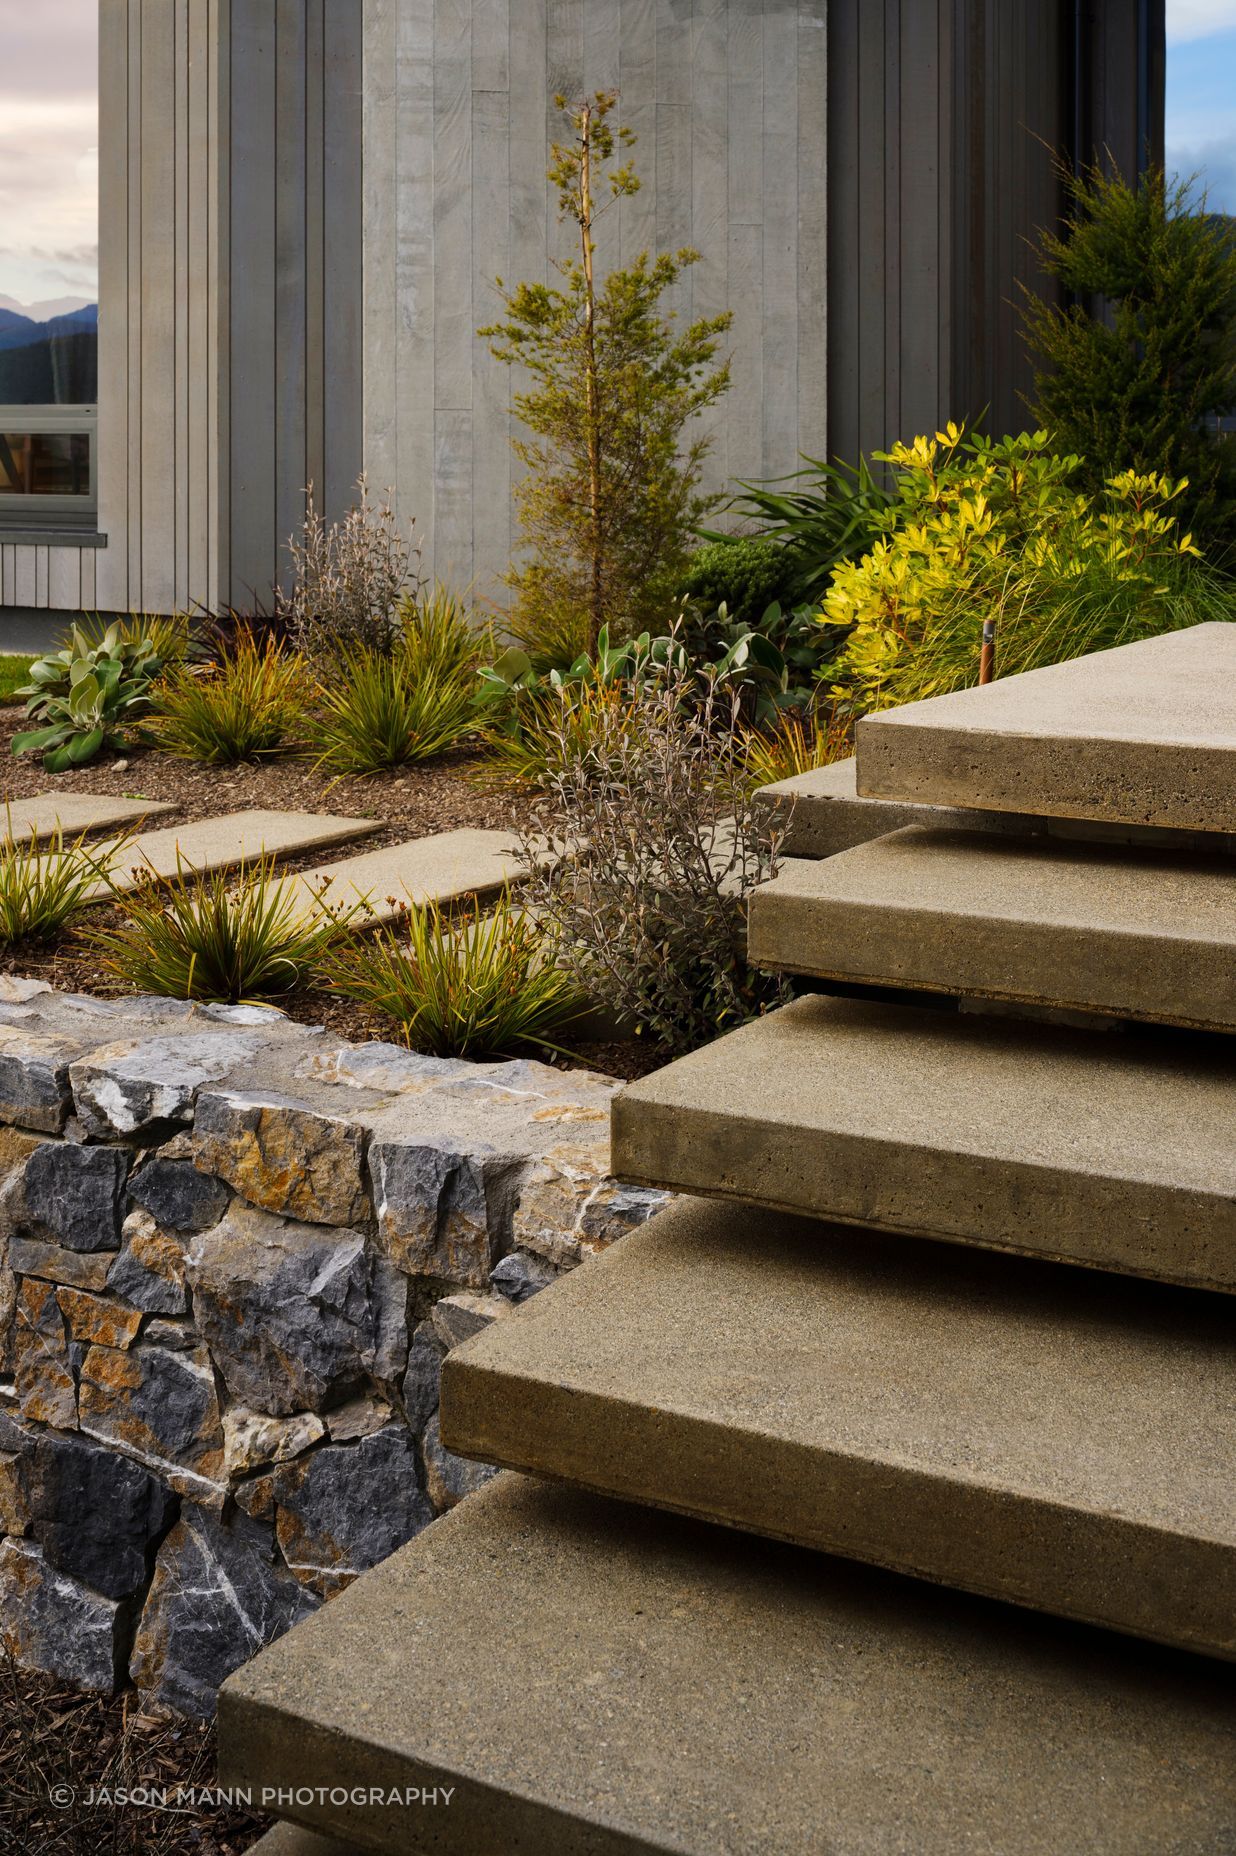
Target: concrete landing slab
column 225, row 843
column 1136, row 934
column 1004, row 1428
column 593, row 1678
column 442, row 868
column 1113, row 1150
column 1144, row 734
column 71, row 814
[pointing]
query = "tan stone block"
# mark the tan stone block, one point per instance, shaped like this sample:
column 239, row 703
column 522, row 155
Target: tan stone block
column 94, row 1318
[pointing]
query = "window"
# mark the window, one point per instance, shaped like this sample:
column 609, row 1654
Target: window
column 49, row 319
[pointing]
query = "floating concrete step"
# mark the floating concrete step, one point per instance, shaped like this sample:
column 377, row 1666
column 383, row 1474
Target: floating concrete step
column 822, row 813
column 1134, row 934
column 1117, row 1151
column 592, row 1679
column 71, row 814
column 224, row 843
column 1141, row 735
column 443, row 868
column 985, row 1424
column 290, row 1840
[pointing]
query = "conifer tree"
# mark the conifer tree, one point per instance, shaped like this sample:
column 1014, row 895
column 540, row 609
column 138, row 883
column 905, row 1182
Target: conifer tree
column 1134, row 371
column 611, row 494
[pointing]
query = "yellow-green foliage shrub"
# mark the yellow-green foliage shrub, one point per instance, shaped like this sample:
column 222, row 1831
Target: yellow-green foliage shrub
column 984, row 528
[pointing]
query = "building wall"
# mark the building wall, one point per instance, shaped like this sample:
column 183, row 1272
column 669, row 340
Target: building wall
column 229, row 301
column 728, row 99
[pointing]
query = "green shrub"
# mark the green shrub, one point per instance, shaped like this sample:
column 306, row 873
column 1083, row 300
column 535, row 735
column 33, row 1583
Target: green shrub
column 471, row 986
column 83, row 695
column 1137, row 367
column 42, row 887
column 379, row 715
column 820, row 515
column 998, row 529
column 746, row 576
column 215, row 937
column 248, row 705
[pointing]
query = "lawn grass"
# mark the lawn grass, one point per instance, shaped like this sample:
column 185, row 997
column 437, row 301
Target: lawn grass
column 14, row 671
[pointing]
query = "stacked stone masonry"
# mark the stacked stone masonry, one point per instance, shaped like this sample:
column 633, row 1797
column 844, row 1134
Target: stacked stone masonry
column 233, row 1256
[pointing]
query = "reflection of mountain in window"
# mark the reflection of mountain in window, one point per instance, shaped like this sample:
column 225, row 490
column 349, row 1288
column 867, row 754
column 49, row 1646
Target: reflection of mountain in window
column 52, row 363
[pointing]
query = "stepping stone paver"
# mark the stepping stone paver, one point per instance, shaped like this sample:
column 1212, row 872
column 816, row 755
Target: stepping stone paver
column 444, row 867
column 1113, row 1150
column 71, row 814
column 1065, row 925
column 1144, row 734
column 223, row 843
column 1024, row 1431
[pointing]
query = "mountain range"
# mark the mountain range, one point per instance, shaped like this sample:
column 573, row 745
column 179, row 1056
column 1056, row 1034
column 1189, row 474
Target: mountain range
column 49, row 306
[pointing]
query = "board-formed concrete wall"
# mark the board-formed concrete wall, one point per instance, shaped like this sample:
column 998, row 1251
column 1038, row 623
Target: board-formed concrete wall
column 727, row 98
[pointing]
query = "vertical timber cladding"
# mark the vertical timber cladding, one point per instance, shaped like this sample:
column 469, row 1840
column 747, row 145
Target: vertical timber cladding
column 728, row 100
column 944, row 120
column 229, row 291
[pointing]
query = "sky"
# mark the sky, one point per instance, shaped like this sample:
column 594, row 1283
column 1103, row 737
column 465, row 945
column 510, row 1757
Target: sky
column 1201, row 96
column 49, row 238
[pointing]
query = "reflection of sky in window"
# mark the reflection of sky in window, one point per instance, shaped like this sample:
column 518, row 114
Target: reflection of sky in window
column 48, row 150
column 1201, row 96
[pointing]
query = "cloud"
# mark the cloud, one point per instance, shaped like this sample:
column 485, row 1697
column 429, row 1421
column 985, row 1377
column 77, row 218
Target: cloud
column 1198, row 19
column 1214, row 163
column 51, row 49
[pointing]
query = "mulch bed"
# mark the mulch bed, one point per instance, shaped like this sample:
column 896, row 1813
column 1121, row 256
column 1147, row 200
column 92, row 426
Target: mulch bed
column 58, row 1747
column 449, row 794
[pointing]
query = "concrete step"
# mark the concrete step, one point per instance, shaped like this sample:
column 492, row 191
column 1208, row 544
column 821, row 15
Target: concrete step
column 1113, row 1150
column 1141, row 735
column 444, row 867
column 1136, row 934
column 822, row 813
column 290, row 1840
column 224, row 843
column 1004, row 1428
column 71, row 814
column 593, row 1679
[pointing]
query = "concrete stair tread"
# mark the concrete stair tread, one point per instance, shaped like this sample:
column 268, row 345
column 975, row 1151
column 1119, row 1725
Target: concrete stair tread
column 290, row 1840
column 999, row 1427
column 224, row 843
column 594, row 1678
column 1144, row 734
column 1117, row 1151
column 71, row 814
column 443, row 867
column 1069, row 925
column 822, row 812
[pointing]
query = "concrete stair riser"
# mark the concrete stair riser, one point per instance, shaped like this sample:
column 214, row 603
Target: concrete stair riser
column 1114, row 1152
column 1064, row 927
column 999, row 1427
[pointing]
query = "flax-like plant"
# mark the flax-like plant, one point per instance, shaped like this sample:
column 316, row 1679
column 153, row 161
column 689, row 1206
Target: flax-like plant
column 378, row 715
column 248, row 705
column 471, row 985
column 797, row 743
column 42, row 886
column 218, row 937
column 438, row 634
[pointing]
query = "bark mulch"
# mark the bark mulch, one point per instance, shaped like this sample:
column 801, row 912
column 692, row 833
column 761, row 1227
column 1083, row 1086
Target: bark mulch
column 66, row 1757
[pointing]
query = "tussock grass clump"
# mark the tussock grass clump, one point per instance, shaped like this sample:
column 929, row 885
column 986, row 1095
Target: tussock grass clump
column 476, row 985
column 42, row 886
column 218, row 938
column 247, row 705
column 578, row 721
column 798, row 743
column 437, row 634
column 379, row 715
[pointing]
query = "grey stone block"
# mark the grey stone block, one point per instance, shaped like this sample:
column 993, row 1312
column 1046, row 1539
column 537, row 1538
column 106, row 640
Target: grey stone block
column 51, row 1622
column 97, row 1516
column 345, row 1507
column 73, row 1194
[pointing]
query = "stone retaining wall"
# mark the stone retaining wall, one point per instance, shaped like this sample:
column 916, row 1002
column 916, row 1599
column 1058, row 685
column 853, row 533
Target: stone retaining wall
column 233, row 1253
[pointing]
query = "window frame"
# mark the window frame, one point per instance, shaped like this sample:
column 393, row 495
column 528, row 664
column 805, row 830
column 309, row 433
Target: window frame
column 21, row 511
